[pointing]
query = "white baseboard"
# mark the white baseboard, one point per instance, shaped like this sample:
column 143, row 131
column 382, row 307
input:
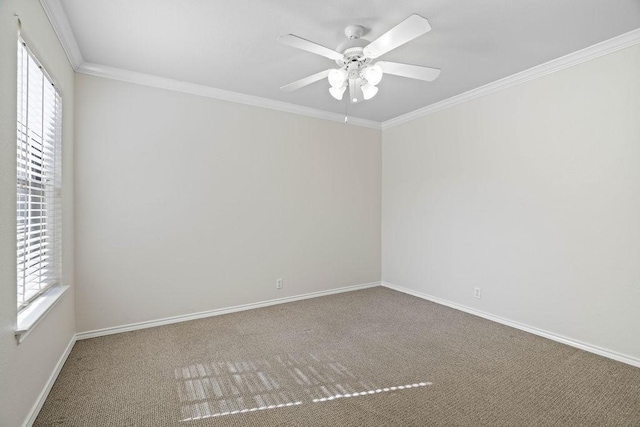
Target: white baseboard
column 546, row 334
column 216, row 312
column 35, row 410
column 183, row 318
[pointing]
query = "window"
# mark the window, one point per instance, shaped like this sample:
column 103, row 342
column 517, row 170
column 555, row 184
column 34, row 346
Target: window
column 39, row 210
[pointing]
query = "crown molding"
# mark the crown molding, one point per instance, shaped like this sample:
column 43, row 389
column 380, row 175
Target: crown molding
column 58, row 18
column 60, row 23
column 99, row 70
column 603, row 48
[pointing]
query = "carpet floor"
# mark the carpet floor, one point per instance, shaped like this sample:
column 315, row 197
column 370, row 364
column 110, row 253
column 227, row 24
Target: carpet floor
column 373, row 357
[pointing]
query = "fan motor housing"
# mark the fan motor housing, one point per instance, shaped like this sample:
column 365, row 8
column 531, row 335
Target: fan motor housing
column 348, row 45
column 352, row 51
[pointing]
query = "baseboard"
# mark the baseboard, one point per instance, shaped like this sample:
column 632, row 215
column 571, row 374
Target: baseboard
column 217, row 312
column 35, row 410
column 149, row 324
column 546, row 334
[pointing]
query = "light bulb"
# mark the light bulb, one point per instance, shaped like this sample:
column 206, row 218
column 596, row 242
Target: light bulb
column 369, row 91
column 337, row 92
column 373, row 74
column 337, row 77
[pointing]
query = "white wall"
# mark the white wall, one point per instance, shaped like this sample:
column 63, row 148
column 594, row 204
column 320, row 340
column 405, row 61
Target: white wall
column 26, row 368
column 533, row 195
column 187, row 204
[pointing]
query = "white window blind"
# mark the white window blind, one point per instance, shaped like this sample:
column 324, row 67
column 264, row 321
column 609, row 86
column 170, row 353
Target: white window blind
column 39, row 179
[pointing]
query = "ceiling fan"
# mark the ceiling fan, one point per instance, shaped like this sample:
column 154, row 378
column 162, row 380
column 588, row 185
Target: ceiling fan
column 355, row 57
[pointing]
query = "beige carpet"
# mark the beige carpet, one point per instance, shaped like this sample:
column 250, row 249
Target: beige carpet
column 374, row 357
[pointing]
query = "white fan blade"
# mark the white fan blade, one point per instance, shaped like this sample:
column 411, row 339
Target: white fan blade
column 411, row 71
column 305, row 81
column 412, row 27
column 300, row 43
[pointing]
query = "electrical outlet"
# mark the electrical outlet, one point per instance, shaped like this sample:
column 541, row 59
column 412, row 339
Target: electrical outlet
column 477, row 292
column 279, row 283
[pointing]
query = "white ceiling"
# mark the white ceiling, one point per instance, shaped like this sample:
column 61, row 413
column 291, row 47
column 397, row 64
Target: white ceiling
column 231, row 45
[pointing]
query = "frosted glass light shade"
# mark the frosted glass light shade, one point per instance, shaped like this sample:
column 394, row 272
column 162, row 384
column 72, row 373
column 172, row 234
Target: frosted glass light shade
column 373, row 74
column 337, row 77
column 338, row 92
column 369, row 91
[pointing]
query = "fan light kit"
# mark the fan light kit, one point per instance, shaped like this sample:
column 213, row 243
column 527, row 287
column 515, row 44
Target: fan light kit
column 355, row 58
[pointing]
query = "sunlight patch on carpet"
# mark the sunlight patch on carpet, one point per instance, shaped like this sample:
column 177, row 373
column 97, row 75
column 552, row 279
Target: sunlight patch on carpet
column 220, row 388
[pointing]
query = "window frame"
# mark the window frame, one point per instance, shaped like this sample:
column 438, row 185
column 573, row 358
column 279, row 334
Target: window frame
column 39, row 180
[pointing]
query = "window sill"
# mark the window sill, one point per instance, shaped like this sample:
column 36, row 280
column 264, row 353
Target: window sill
column 31, row 316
